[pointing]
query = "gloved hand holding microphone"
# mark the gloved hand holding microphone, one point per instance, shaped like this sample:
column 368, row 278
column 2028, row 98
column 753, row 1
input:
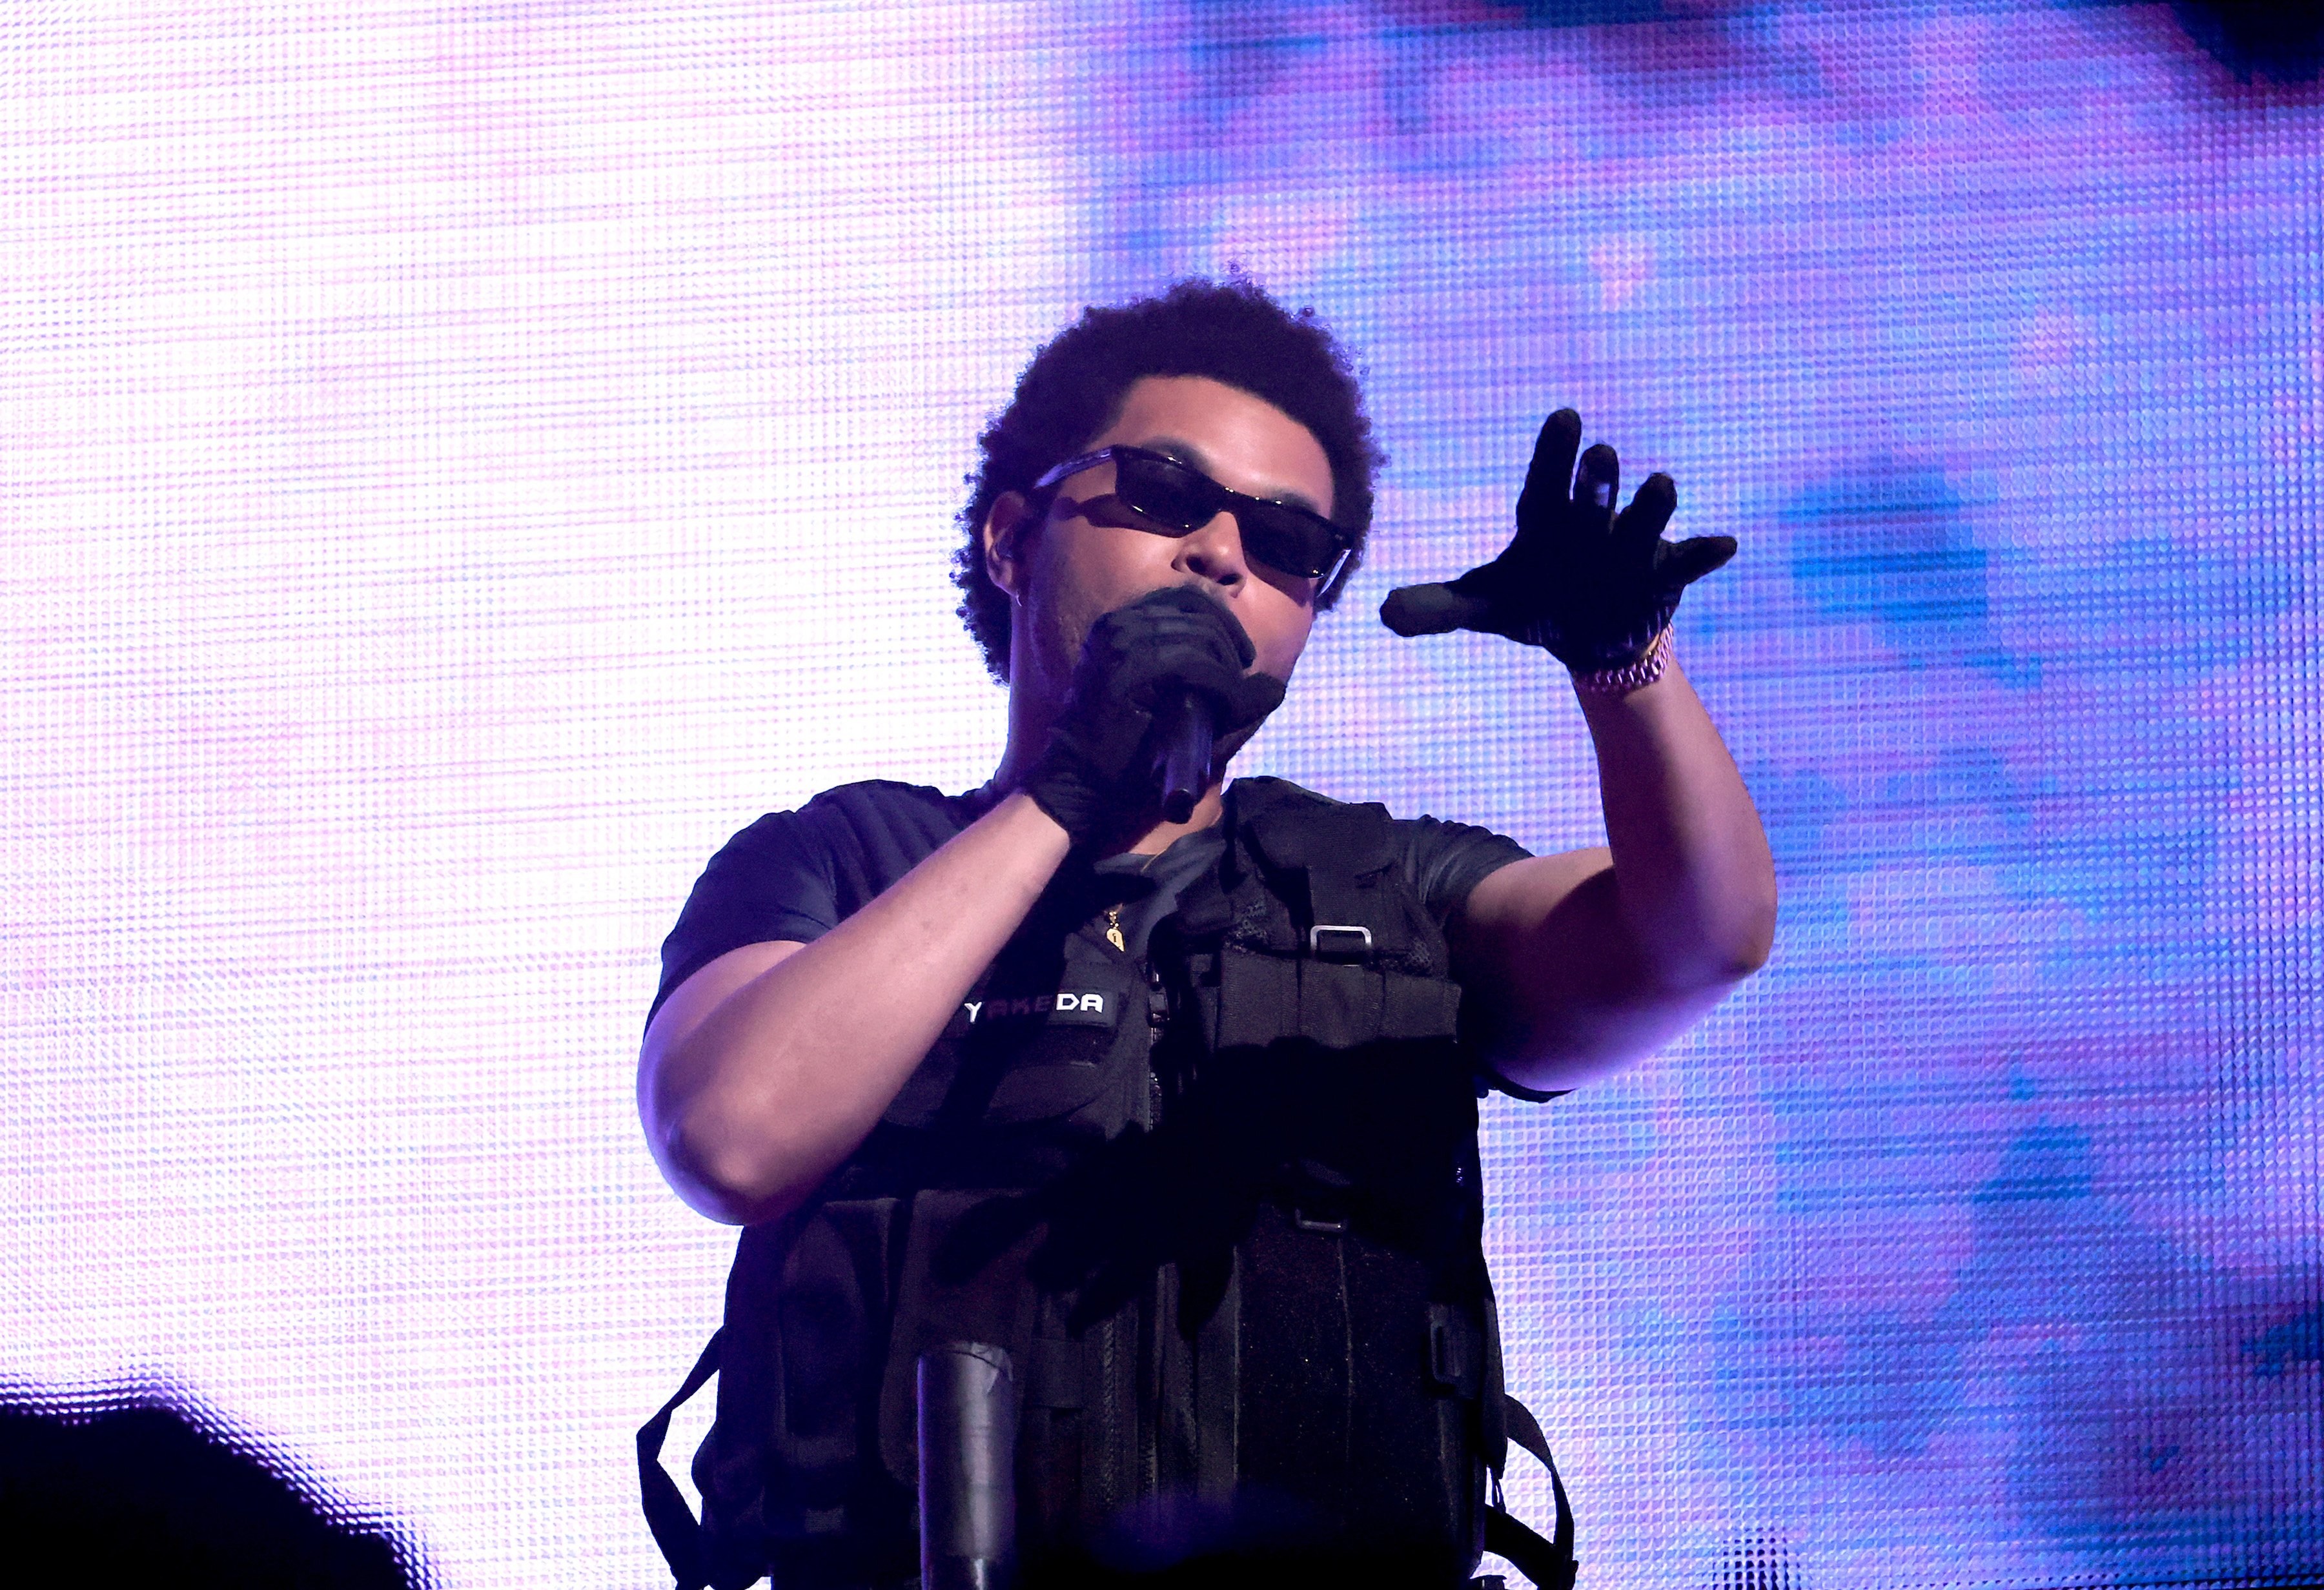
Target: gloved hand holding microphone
column 1145, row 670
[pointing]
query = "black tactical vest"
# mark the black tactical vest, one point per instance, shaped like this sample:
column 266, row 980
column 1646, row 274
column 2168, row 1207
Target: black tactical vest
column 1222, row 1206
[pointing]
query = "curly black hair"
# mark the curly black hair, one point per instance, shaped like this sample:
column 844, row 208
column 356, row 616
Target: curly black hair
column 1231, row 331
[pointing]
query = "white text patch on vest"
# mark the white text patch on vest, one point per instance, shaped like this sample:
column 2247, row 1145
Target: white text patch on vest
column 1068, row 1007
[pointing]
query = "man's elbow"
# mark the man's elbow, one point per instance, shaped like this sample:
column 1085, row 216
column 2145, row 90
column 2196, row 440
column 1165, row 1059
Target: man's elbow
column 1709, row 970
column 1739, row 946
column 1748, row 953
column 733, row 1190
column 728, row 1176
column 1757, row 940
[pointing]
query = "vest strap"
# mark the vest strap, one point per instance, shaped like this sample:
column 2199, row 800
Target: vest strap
column 1549, row 1564
column 1218, row 1383
column 673, row 1523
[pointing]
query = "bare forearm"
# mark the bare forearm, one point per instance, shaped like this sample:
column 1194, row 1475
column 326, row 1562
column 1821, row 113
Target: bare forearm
column 1694, row 883
column 755, row 1093
column 1585, row 961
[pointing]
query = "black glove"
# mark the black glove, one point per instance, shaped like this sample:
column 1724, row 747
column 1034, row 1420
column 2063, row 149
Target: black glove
column 1096, row 776
column 1590, row 586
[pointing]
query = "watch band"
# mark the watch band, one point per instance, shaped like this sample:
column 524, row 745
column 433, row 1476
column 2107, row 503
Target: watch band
column 1630, row 675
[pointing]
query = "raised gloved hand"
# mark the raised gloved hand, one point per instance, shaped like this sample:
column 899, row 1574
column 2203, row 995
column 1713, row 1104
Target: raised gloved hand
column 1592, row 588
column 1096, row 775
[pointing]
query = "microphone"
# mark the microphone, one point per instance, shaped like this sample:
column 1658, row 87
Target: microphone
column 1182, row 732
column 968, row 1475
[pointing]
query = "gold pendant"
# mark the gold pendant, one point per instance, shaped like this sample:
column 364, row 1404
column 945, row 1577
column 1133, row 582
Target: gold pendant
column 1113, row 929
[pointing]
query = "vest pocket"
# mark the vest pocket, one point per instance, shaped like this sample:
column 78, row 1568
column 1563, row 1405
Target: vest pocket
column 1262, row 998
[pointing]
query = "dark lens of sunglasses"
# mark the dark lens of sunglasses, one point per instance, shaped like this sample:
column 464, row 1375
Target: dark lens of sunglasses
column 1179, row 498
column 1170, row 494
column 1288, row 540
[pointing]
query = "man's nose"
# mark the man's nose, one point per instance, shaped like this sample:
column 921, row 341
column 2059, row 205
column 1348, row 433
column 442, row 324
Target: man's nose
column 1215, row 551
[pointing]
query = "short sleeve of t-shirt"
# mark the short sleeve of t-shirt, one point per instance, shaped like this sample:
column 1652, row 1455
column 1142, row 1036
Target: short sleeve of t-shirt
column 1444, row 860
column 797, row 874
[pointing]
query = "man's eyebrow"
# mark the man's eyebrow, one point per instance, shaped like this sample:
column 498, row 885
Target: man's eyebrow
column 1188, row 454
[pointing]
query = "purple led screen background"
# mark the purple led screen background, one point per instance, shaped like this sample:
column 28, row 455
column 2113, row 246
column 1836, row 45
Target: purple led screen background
column 460, row 463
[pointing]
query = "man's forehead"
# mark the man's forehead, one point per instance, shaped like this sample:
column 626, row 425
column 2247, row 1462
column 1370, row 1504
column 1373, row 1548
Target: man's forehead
column 1231, row 433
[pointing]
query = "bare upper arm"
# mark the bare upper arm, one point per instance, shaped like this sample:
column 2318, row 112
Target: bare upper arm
column 1556, row 978
column 1525, row 891
column 1538, row 934
column 693, row 1002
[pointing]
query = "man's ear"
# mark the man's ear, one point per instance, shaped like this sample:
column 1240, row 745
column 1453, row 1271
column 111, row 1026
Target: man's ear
column 1008, row 527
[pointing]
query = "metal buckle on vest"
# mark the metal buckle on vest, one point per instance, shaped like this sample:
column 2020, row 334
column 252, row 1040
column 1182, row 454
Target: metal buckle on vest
column 1361, row 948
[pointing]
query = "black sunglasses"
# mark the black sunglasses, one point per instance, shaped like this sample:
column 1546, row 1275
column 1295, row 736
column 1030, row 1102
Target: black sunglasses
column 1178, row 499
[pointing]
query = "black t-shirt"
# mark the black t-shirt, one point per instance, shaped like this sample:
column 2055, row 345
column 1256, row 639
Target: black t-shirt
column 797, row 874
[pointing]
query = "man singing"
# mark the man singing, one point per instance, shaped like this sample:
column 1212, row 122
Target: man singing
column 1178, row 1114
